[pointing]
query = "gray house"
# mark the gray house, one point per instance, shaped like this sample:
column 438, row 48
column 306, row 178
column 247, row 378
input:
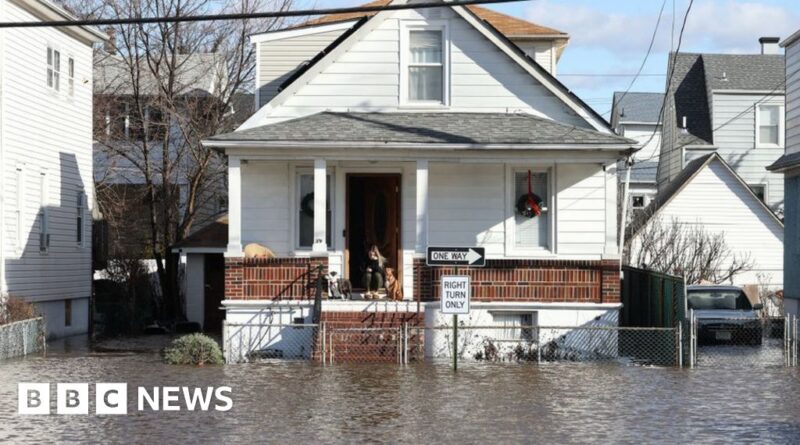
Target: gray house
column 731, row 104
column 637, row 115
column 789, row 165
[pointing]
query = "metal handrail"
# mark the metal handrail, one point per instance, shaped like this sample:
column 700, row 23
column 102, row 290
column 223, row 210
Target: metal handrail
column 317, row 314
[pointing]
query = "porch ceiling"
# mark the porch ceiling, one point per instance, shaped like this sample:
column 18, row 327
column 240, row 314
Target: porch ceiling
column 429, row 129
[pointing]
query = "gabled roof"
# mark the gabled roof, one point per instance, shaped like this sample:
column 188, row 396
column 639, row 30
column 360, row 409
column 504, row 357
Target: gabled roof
column 484, row 27
column 674, row 187
column 214, row 235
column 697, row 76
column 198, row 74
column 508, row 25
column 424, row 128
column 50, row 10
column 639, row 107
column 785, row 162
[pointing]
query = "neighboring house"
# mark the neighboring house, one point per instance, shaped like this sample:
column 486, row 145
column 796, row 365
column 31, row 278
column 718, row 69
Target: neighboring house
column 637, row 115
column 709, row 193
column 121, row 182
column 420, row 128
column 46, row 192
column 789, row 165
column 731, row 104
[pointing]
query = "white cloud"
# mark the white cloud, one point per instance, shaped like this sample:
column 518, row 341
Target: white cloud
column 713, row 25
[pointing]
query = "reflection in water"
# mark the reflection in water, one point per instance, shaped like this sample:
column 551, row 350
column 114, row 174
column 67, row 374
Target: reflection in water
column 502, row 403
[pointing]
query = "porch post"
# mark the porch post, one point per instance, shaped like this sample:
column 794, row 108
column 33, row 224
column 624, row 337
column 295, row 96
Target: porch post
column 421, row 242
column 320, row 206
column 612, row 245
column 234, row 207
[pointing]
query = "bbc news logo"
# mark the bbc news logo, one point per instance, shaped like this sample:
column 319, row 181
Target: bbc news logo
column 112, row 398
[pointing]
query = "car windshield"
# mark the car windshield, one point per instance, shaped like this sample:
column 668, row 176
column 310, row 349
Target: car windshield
column 718, row 299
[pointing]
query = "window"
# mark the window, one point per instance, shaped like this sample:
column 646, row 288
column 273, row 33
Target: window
column 44, row 215
column 769, row 129
column 71, row 75
column 305, row 209
column 637, row 201
column 53, row 68
column 760, row 190
column 67, row 313
column 425, row 67
column 514, row 326
column 531, row 232
column 81, row 216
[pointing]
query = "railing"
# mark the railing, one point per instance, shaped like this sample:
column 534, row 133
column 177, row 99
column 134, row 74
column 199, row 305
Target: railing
column 317, row 314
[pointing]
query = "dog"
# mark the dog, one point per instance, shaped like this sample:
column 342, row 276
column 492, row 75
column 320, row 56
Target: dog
column 394, row 291
column 255, row 250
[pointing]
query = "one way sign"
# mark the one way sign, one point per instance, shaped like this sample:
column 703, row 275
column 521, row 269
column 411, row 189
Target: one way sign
column 456, row 256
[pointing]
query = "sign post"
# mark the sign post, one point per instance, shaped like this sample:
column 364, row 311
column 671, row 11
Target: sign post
column 456, row 290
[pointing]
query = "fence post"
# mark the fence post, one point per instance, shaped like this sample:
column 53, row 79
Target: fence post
column 787, row 329
column 405, row 343
column 692, row 339
column 322, row 331
column 538, row 345
column 680, row 344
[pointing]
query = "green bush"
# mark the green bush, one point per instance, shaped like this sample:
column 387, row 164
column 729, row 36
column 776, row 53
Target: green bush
column 194, row 349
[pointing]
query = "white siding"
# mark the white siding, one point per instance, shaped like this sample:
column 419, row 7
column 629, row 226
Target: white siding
column 735, row 118
column 468, row 206
column 44, row 130
column 541, row 52
column 715, row 199
column 367, row 77
column 793, row 98
column 643, row 134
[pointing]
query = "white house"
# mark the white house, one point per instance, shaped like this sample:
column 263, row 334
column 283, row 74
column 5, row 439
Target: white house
column 637, row 115
column 46, row 191
column 419, row 128
column 731, row 104
column 789, row 165
column 710, row 194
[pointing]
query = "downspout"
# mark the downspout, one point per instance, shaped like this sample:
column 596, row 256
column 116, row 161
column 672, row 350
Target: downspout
column 3, row 169
column 624, row 217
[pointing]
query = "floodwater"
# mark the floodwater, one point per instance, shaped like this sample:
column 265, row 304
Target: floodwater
column 482, row 403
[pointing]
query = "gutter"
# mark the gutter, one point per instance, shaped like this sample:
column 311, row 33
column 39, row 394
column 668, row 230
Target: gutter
column 3, row 167
column 335, row 145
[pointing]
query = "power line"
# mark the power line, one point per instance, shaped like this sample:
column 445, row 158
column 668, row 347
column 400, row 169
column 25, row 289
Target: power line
column 248, row 15
column 647, row 54
column 613, row 74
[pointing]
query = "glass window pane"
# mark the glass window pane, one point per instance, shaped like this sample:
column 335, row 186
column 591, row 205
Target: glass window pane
column 426, row 46
column 769, row 115
column 531, row 232
column 768, row 134
column 425, row 83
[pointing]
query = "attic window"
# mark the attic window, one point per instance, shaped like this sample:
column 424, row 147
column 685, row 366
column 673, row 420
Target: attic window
column 425, row 71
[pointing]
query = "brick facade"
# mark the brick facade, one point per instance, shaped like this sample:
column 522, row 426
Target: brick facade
column 501, row 280
column 529, row 280
column 271, row 279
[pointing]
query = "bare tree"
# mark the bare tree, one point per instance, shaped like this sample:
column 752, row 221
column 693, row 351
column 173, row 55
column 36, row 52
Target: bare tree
column 160, row 90
column 678, row 248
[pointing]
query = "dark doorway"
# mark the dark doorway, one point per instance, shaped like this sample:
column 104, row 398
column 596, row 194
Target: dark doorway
column 214, row 286
column 373, row 217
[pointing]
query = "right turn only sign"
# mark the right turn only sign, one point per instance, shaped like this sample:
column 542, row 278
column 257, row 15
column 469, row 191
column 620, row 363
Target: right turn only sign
column 455, row 294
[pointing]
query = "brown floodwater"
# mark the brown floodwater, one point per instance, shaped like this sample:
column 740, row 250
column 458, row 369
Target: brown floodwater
column 425, row 403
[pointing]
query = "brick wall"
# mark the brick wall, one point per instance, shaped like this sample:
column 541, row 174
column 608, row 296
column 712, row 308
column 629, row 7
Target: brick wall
column 529, row 280
column 271, row 279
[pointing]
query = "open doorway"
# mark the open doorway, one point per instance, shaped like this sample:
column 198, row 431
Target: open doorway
column 373, row 218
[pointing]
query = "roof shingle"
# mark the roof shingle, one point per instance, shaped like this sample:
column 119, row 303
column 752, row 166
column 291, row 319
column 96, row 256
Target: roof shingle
column 423, row 128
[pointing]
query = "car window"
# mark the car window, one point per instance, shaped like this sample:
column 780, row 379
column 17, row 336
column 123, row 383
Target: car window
column 718, row 299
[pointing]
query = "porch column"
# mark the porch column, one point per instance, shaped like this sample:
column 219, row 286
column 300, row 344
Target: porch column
column 234, row 207
column 611, row 250
column 320, row 206
column 421, row 242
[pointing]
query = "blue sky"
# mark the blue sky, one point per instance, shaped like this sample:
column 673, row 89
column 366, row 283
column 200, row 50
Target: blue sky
column 612, row 36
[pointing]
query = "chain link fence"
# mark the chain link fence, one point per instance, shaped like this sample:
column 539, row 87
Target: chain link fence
column 718, row 341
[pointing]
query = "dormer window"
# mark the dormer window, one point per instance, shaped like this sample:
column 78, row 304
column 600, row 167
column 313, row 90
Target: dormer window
column 424, row 76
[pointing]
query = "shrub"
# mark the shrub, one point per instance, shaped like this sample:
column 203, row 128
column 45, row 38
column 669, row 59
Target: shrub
column 194, row 349
column 16, row 309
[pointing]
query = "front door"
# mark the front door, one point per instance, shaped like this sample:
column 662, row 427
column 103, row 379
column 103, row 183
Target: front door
column 214, row 268
column 373, row 218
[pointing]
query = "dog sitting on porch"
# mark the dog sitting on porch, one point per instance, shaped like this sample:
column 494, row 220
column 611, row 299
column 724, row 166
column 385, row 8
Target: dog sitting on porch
column 394, row 291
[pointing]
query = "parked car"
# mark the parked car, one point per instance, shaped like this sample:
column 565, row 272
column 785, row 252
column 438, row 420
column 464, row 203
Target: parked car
column 724, row 315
